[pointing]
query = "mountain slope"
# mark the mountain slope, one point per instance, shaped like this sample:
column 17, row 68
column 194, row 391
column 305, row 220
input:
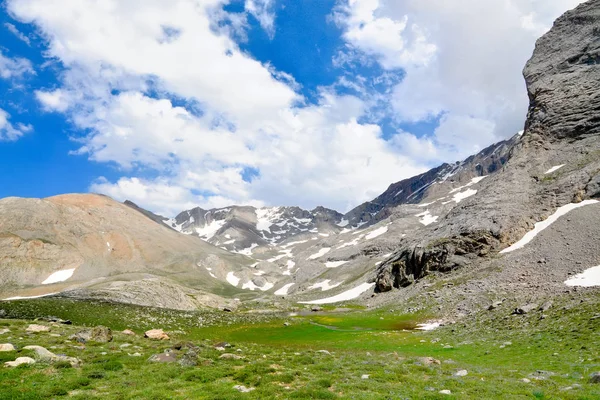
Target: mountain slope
column 91, row 244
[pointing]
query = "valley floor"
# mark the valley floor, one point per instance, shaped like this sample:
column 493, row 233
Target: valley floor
column 354, row 354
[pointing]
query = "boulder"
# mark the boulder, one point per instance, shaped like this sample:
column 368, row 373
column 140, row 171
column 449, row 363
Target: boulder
column 7, row 347
column 156, row 334
column 33, row 328
column 20, row 361
column 163, row 358
column 595, row 377
column 428, row 361
column 46, row 356
column 462, row 372
column 128, row 332
column 4, row 330
column 525, row 309
column 99, row 334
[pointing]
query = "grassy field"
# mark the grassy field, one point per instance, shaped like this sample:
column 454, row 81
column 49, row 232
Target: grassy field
column 355, row 355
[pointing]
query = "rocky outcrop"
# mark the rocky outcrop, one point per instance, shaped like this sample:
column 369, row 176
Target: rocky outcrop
column 442, row 255
column 563, row 77
column 563, row 82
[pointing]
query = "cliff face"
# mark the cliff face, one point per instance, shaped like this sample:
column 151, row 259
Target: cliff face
column 556, row 161
column 563, row 77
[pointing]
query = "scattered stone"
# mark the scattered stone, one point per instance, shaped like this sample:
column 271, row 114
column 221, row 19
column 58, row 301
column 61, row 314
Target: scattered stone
column 324, row 352
column 3, row 313
column 46, row 356
column 135, row 355
column 525, row 380
column 33, row 328
column 595, row 377
column 243, row 388
column 445, row 391
column 541, row 375
column 99, row 334
column 20, row 361
column 128, row 332
column 315, row 309
column 286, row 324
column 448, row 347
column 7, row 347
column 125, row 345
column 220, row 348
column 494, row 305
column 163, row 358
column 428, row 361
column 157, row 334
column 3, row 331
column 364, row 376
column 189, row 359
column 525, row 309
column 224, row 345
column 462, row 372
column 227, row 309
column 546, row 306
column 229, row 356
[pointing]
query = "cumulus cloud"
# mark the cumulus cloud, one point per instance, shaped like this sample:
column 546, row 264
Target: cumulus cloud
column 10, row 132
column 196, row 113
column 462, row 59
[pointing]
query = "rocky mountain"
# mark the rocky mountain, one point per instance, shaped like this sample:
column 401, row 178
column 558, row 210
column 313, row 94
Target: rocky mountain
column 93, row 246
column 241, row 229
column 457, row 218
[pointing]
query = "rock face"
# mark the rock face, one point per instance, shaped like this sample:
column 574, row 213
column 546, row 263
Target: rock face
column 563, row 77
column 241, row 228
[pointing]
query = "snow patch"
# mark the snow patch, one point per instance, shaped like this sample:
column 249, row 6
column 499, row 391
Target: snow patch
column 473, row 182
column 320, row 253
column 59, row 276
column 344, row 222
column 588, row 278
column 335, row 264
column 209, row 230
column 351, row 243
column 250, row 285
column 325, row 285
column 555, row 168
column 265, row 217
column 540, row 226
column 232, row 279
column 377, row 232
column 344, row 296
column 284, row 290
column 426, row 218
column 247, row 251
column 428, row 326
column 458, row 197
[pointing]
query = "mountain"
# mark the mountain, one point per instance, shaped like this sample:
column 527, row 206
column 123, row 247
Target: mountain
column 93, row 246
column 241, row 229
column 457, row 223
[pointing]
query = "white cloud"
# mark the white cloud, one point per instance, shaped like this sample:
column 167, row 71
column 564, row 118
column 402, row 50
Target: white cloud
column 232, row 112
column 10, row 132
column 262, row 10
column 56, row 100
column 15, row 31
column 396, row 43
column 463, row 62
column 11, row 68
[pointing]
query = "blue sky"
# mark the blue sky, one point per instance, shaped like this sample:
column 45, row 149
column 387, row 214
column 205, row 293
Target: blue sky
column 263, row 102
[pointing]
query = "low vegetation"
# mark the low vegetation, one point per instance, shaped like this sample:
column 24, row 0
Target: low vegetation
column 355, row 354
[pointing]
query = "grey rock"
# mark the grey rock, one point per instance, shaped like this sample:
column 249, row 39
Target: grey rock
column 20, row 361
column 46, row 356
column 243, row 388
column 163, row 358
column 3, row 313
column 563, row 78
column 7, row 347
column 462, row 372
column 230, row 356
column 595, row 377
column 525, row 309
column 34, row 328
column 98, row 334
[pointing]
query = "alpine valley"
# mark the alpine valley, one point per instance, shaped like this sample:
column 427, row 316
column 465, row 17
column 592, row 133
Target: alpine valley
column 476, row 280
